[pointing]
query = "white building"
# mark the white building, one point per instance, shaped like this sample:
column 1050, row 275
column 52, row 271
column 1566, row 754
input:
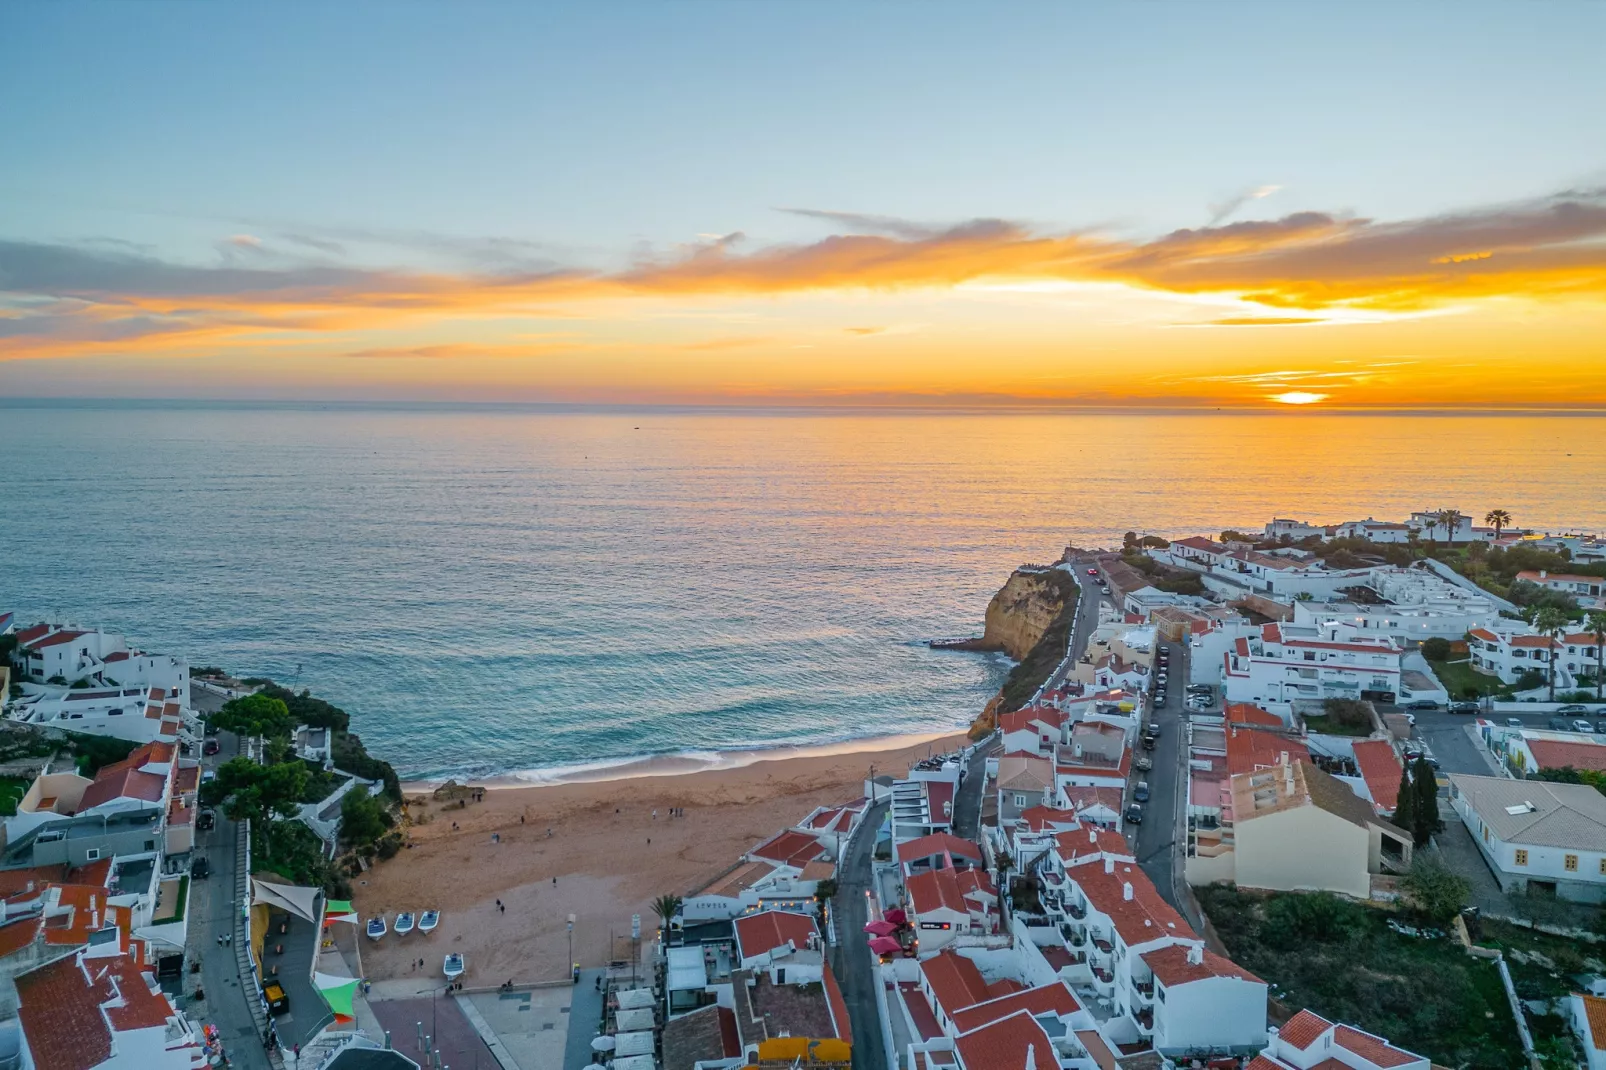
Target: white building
column 100, row 659
column 140, row 714
column 781, row 943
column 1285, row 663
column 1130, row 949
column 1588, row 1014
column 1507, row 649
column 1418, row 605
column 1309, row 1041
column 1586, row 589
column 1535, row 835
column 1294, row 529
column 101, row 1009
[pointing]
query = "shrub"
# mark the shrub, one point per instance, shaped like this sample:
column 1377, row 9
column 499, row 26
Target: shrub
column 1530, row 679
column 1436, row 649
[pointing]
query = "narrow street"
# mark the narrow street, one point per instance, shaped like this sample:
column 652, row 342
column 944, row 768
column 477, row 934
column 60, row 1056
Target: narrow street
column 851, row 959
column 1157, row 845
column 213, row 911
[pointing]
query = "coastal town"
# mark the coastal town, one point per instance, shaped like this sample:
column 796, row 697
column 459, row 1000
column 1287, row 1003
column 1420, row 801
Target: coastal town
column 1308, row 795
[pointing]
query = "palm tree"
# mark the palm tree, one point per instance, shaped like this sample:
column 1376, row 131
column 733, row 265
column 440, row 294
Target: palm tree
column 1595, row 624
column 1498, row 519
column 1552, row 623
column 1451, row 519
column 666, row 907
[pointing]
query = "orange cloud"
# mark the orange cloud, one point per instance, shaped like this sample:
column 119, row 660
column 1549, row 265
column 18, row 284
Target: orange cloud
column 64, row 300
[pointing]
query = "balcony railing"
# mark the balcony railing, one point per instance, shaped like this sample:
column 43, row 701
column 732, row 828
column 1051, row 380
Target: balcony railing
column 1103, row 945
column 1103, row 976
column 1076, row 910
column 1145, row 1020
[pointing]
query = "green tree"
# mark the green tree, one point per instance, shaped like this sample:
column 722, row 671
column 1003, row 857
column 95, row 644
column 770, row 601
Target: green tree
column 1436, row 891
column 1425, row 815
column 1551, row 623
column 1498, row 519
column 666, row 906
column 1595, row 624
column 1405, row 805
column 1449, row 520
column 252, row 792
column 1436, row 649
column 825, row 891
column 363, row 819
column 256, row 715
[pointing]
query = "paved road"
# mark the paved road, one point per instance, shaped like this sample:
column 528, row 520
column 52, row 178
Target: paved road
column 967, row 804
column 213, row 910
column 1087, row 618
column 1159, row 840
column 851, row 959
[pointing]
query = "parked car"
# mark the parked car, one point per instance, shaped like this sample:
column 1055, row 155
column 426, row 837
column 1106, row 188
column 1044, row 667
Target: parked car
column 200, row 869
column 1104, row 589
column 1140, row 793
column 1134, row 814
column 1513, row 722
column 1152, row 728
column 211, row 729
column 1583, row 726
column 209, row 776
column 1559, row 724
column 211, row 746
column 205, row 819
column 1572, row 708
column 1203, row 689
column 1464, row 707
column 1148, row 742
column 1142, row 764
column 1600, row 726
column 278, row 1002
column 1421, row 704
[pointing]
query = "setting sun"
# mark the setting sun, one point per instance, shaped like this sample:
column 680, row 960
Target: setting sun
column 1299, row 397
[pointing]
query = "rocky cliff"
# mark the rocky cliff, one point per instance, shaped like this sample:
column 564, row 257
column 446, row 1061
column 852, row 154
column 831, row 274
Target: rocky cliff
column 1023, row 609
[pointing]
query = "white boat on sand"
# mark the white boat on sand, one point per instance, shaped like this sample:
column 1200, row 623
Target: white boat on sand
column 453, row 969
column 376, row 927
column 404, row 923
column 428, row 920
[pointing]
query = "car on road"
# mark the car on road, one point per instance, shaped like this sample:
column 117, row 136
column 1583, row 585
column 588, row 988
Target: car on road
column 278, row 1002
column 1559, row 724
column 211, row 746
column 1200, row 689
column 1600, row 726
column 1140, row 793
column 200, row 869
column 1104, row 589
column 1421, row 704
column 1583, row 726
column 1513, row 722
column 1142, row 764
column 211, row 729
column 1464, row 707
column 1148, row 742
column 1134, row 814
column 206, row 819
column 1572, row 708
column 1092, row 572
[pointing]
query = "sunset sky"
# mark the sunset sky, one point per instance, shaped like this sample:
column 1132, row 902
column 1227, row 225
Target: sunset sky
column 1147, row 204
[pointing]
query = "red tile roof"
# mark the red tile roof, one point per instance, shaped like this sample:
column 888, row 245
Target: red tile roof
column 786, row 845
column 1565, row 577
column 1249, row 713
column 935, row 889
column 1533, row 641
column 940, row 800
column 1142, row 918
column 1380, row 768
column 1594, row 1012
column 955, row 981
column 1555, row 754
column 938, row 843
column 72, row 1008
column 1580, row 638
column 1304, row 1029
column 1199, row 542
column 1484, row 634
column 758, row 933
column 1249, row 749
column 1373, row 1049
column 32, row 632
column 1171, row 967
column 1053, row 999
column 730, row 1041
column 125, row 783
column 1006, row 1045
column 1085, row 798
column 58, row 639
column 1038, row 818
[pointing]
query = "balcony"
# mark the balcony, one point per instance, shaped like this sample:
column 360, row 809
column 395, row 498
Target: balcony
column 1076, row 910
column 1103, row 945
column 1145, row 1020
column 1145, row 991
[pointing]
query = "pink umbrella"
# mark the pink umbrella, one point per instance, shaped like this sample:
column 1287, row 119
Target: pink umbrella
column 881, row 928
column 885, row 945
column 897, row 916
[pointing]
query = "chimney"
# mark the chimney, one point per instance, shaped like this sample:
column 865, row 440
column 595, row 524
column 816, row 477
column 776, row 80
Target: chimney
column 1126, row 890
column 1109, row 864
column 1092, row 835
column 1196, row 955
column 1031, row 1057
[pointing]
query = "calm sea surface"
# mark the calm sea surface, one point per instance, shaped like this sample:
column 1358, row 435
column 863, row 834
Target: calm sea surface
column 507, row 591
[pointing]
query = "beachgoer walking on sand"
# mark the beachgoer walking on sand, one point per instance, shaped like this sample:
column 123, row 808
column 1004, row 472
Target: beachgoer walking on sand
column 655, row 813
column 549, row 833
column 498, row 904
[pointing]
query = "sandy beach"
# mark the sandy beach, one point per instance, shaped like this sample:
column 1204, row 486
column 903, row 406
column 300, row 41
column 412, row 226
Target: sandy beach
column 607, row 858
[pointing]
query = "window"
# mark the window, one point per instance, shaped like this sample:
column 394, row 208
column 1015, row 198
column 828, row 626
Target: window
column 1522, row 857
column 92, row 854
column 1486, row 840
column 1570, row 863
column 1603, row 867
column 1020, row 800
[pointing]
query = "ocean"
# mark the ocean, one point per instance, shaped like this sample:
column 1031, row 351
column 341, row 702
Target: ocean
column 545, row 592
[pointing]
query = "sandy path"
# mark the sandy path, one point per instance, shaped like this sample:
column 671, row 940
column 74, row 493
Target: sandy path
column 604, row 866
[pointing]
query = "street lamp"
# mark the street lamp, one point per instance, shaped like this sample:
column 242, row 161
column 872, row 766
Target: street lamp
column 574, row 972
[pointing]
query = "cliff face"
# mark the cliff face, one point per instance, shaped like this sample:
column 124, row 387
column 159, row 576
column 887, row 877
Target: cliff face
column 1023, row 609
